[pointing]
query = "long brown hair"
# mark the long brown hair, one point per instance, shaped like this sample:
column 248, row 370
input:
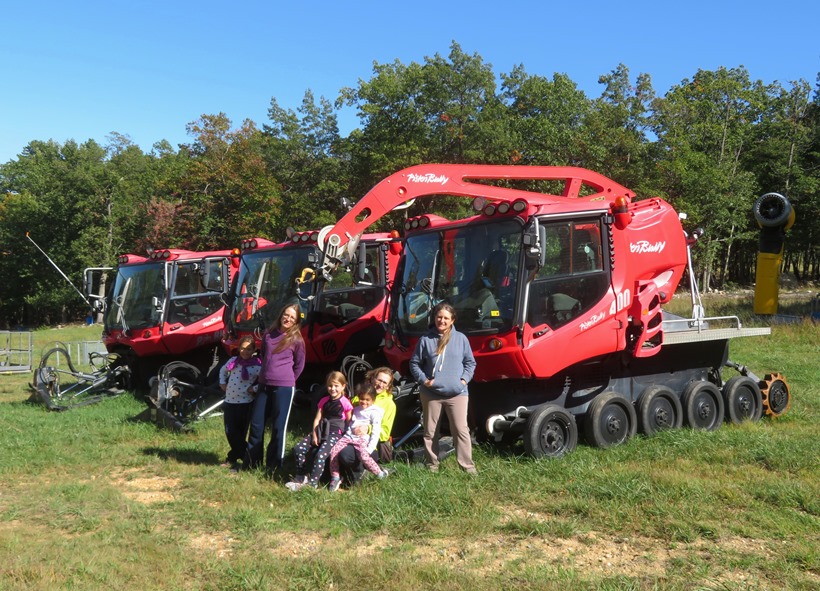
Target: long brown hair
column 293, row 334
column 445, row 336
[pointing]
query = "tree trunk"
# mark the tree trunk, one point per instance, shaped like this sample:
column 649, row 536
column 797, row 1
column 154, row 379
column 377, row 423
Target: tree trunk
column 706, row 277
column 101, row 292
column 728, row 254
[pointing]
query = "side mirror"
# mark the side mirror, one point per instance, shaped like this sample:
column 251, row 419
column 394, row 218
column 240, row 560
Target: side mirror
column 534, row 239
column 212, row 275
column 361, row 274
column 361, row 266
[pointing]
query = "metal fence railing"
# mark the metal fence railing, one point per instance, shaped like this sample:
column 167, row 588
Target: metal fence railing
column 79, row 352
column 15, row 351
column 17, row 355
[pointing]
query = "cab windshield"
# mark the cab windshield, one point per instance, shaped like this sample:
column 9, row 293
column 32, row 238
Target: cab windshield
column 266, row 282
column 473, row 268
column 136, row 298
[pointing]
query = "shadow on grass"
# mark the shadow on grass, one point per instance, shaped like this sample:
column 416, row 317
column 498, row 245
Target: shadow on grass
column 183, row 455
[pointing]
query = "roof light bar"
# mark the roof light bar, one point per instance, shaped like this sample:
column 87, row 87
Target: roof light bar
column 417, row 222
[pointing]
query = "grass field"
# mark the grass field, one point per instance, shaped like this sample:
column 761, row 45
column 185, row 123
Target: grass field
column 91, row 499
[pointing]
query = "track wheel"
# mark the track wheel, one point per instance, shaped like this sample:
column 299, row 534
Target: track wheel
column 743, row 400
column 703, row 406
column 118, row 365
column 658, row 409
column 776, row 394
column 610, row 420
column 551, row 432
column 56, row 376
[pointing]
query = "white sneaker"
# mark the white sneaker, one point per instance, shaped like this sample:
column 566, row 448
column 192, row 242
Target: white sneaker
column 384, row 474
column 294, row 486
column 334, row 485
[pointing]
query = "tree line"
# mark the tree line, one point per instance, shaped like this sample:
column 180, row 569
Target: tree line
column 711, row 145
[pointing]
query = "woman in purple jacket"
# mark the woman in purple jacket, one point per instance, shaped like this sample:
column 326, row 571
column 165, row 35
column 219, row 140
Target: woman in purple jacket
column 283, row 358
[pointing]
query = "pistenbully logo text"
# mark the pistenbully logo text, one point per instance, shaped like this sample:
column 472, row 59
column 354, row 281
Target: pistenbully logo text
column 429, row 178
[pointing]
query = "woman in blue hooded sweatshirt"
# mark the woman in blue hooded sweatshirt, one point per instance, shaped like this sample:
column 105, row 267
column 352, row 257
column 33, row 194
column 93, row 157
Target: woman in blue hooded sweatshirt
column 442, row 365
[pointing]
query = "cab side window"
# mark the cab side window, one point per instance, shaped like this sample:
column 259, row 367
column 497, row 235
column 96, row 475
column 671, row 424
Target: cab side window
column 349, row 297
column 573, row 277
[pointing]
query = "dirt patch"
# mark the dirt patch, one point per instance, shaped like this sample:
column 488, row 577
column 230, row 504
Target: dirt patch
column 219, row 544
column 593, row 553
column 145, row 489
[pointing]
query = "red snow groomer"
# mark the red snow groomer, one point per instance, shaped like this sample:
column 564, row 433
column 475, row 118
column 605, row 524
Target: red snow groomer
column 341, row 316
column 165, row 307
column 558, row 281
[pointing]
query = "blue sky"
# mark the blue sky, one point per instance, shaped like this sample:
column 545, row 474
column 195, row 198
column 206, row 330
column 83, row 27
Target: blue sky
column 145, row 68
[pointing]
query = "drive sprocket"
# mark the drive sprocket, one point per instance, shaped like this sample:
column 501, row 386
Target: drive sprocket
column 776, row 394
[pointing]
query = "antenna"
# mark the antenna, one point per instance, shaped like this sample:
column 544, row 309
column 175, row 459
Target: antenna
column 59, row 270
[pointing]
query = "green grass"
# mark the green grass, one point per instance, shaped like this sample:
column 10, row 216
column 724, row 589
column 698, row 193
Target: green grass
column 92, row 499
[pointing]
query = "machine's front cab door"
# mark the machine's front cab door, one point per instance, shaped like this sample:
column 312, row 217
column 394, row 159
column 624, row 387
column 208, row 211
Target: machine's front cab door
column 196, row 290
column 194, row 312
column 569, row 297
column 351, row 307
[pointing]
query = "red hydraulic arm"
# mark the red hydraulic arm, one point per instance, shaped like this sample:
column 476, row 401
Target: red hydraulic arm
column 460, row 180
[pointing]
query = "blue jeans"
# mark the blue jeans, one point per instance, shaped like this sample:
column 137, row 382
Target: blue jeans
column 271, row 403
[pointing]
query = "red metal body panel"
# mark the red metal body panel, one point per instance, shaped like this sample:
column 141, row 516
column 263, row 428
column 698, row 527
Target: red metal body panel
column 595, row 333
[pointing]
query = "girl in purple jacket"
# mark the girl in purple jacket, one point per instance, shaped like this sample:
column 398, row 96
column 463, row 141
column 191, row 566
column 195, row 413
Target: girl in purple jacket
column 283, row 359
